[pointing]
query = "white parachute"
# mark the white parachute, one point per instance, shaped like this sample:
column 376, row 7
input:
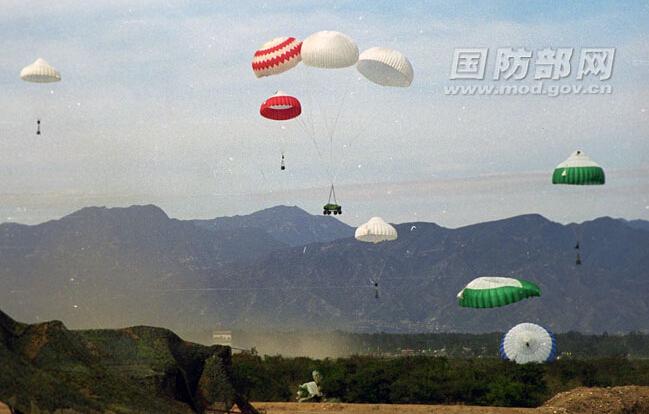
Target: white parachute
column 331, row 102
column 376, row 230
column 386, row 67
column 39, row 72
column 528, row 342
column 329, row 50
column 321, row 53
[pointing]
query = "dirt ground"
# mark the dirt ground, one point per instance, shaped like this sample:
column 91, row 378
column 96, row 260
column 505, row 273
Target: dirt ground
column 616, row 400
column 321, row 408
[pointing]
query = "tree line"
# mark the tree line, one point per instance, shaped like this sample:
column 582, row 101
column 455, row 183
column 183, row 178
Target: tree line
column 453, row 345
column 431, row 380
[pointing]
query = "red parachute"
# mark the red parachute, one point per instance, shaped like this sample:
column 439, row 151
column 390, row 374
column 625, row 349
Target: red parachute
column 281, row 107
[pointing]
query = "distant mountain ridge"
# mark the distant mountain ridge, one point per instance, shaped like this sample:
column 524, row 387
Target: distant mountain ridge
column 289, row 225
column 131, row 266
column 637, row 224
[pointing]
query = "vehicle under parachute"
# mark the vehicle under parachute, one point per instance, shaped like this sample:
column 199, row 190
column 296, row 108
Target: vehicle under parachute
column 39, row 72
column 322, row 52
column 281, row 107
column 332, row 208
column 376, row 230
column 580, row 170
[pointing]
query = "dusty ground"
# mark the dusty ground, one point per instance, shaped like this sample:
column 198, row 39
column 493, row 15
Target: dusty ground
column 616, row 400
column 307, row 408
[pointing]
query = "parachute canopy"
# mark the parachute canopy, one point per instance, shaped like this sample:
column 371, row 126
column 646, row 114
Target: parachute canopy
column 329, row 50
column 375, row 231
column 492, row 292
column 276, row 56
column 308, row 391
column 386, row 67
column 528, row 342
column 578, row 169
column 40, row 71
column 280, row 107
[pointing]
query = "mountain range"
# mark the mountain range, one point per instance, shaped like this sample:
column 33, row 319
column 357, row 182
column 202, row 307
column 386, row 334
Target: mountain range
column 284, row 269
column 289, row 225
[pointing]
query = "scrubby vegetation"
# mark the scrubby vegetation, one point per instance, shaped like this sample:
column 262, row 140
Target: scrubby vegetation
column 432, row 380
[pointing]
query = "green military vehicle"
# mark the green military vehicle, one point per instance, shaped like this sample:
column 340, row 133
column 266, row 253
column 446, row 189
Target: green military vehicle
column 332, row 208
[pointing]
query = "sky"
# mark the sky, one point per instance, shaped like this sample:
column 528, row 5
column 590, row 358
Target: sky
column 158, row 105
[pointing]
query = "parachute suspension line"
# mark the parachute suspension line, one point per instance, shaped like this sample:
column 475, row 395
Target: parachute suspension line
column 330, row 129
column 378, row 280
column 307, row 120
column 577, row 246
column 310, row 133
column 361, row 124
column 265, row 181
column 309, row 113
column 331, row 135
column 323, row 116
column 343, row 157
column 332, row 192
column 582, row 194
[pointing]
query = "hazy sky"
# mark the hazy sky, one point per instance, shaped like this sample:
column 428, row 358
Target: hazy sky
column 158, row 104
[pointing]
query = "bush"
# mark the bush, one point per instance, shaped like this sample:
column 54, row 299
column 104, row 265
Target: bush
column 431, row 380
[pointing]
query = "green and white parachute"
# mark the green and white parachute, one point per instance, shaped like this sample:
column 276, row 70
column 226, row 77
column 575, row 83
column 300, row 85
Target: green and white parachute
column 492, row 292
column 578, row 169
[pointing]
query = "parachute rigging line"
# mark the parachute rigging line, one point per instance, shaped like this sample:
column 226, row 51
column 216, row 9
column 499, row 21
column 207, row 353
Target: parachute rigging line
column 332, row 191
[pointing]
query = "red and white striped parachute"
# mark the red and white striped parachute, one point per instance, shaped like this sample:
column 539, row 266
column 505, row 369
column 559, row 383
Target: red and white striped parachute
column 277, row 56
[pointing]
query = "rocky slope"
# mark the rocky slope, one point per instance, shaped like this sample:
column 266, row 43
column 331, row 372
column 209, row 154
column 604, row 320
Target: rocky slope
column 46, row 367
